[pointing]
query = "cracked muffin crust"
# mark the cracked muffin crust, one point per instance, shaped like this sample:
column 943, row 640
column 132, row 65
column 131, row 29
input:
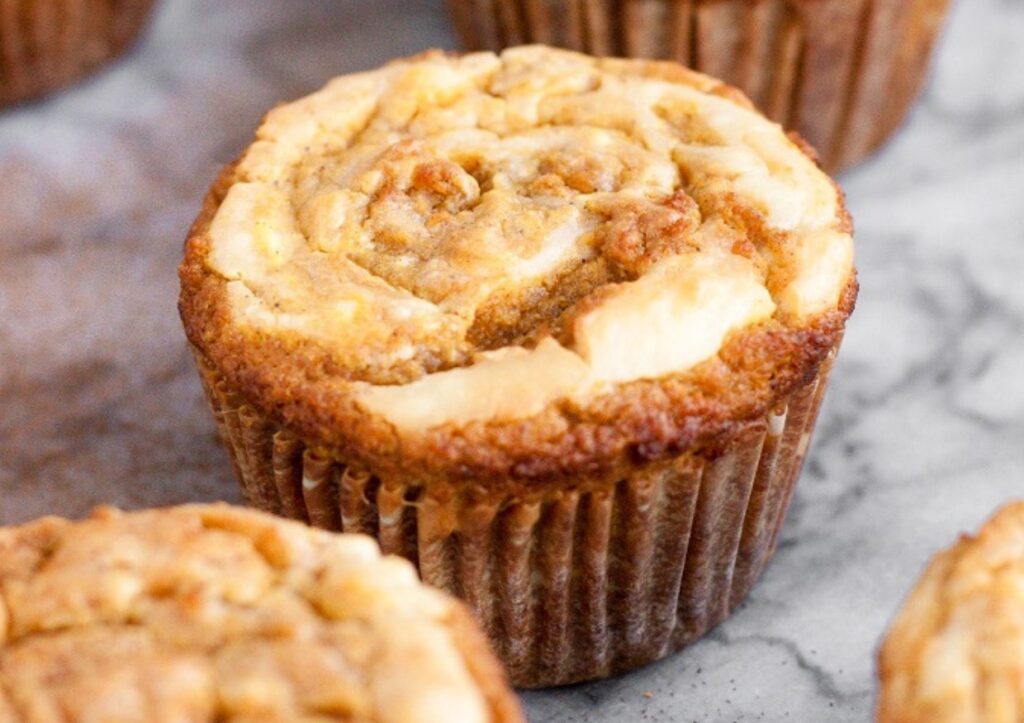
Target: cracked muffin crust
column 955, row 652
column 523, row 318
column 210, row 613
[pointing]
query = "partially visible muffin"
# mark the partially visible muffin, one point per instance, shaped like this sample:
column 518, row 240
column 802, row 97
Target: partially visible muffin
column 46, row 44
column 210, row 613
column 955, row 653
column 842, row 73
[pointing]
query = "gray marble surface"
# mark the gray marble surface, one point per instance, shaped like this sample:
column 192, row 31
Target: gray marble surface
column 922, row 435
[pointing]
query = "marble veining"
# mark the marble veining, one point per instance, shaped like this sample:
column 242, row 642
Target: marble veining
column 921, row 437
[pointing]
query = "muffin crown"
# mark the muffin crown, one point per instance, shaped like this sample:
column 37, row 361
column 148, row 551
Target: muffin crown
column 213, row 613
column 494, row 241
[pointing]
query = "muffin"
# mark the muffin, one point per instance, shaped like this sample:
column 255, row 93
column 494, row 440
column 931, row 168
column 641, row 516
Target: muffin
column 554, row 328
column 843, row 73
column 46, row 44
column 210, row 613
column 955, row 652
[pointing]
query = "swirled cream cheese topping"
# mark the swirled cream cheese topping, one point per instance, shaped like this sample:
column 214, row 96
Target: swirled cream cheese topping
column 477, row 237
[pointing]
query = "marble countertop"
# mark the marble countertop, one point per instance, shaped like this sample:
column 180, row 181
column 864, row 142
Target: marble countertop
column 922, row 435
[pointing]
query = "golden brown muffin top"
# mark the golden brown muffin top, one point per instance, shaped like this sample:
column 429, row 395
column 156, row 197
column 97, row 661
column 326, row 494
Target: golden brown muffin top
column 487, row 240
column 955, row 653
column 211, row 613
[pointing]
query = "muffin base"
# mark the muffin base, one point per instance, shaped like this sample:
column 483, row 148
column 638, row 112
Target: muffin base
column 842, row 73
column 46, row 44
column 573, row 584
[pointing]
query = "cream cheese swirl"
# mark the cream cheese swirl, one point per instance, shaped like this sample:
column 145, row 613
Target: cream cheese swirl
column 477, row 237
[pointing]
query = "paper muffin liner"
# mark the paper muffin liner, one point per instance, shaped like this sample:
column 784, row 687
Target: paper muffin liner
column 842, row 73
column 45, row 44
column 574, row 584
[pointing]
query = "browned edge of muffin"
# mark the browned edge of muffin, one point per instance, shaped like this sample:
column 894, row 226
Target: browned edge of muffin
column 642, row 421
column 483, row 666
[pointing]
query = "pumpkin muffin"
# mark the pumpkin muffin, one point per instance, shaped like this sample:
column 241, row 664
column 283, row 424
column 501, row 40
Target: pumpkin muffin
column 843, row 73
column 554, row 328
column 46, row 44
column 209, row 613
column 955, row 653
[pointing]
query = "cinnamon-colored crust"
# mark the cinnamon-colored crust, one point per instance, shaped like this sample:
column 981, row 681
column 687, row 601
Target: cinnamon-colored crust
column 955, row 652
column 300, row 386
column 46, row 44
column 844, row 73
column 208, row 612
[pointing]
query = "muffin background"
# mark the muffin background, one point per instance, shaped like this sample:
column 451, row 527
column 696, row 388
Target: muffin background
column 842, row 73
column 47, row 44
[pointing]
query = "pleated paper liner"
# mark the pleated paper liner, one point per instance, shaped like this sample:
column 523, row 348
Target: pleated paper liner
column 577, row 584
column 842, row 73
column 46, row 44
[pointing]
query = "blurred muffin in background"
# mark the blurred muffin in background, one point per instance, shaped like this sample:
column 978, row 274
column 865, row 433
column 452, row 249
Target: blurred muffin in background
column 955, row 652
column 47, row 44
column 842, row 73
